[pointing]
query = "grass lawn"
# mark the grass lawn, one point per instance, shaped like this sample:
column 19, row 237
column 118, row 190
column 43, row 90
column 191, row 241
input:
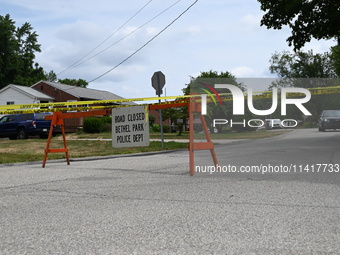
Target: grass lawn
column 32, row 149
column 12, row 151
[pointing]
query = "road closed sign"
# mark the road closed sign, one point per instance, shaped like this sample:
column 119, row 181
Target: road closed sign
column 130, row 126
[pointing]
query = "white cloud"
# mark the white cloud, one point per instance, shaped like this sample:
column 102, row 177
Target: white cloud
column 152, row 31
column 251, row 21
column 319, row 46
column 80, row 33
column 194, row 30
column 214, row 35
column 244, row 72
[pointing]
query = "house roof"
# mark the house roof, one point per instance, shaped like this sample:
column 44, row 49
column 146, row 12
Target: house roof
column 31, row 92
column 83, row 93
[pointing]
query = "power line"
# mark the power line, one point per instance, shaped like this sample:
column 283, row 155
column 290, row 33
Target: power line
column 74, row 66
column 75, row 63
column 145, row 44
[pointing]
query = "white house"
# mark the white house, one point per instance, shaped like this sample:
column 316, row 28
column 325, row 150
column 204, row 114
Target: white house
column 16, row 94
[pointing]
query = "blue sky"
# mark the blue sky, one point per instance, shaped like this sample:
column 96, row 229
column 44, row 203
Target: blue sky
column 218, row 35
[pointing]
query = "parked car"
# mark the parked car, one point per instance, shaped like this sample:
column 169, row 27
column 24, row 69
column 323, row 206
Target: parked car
column 273, row 123
column 329, row 119
column 20, row 126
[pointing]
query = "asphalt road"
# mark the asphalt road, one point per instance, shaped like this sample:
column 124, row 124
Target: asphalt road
column 148, row 204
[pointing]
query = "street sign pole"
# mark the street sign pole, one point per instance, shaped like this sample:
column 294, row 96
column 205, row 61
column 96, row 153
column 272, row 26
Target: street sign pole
column 160, row 110
column 158, row 81
column 161, row 120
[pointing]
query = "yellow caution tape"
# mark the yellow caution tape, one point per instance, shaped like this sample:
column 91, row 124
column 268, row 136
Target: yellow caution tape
column 84, row 105
column 268, row 94
column 61, row 104
column 68, row 109
column 82, row 108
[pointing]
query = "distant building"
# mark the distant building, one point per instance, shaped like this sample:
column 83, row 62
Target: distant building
column 67, row 93
column 17, row 94
column 158, row 119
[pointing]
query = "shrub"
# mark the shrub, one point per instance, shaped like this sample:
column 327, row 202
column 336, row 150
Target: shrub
column 106, row 120
column 156, row 128
column 93, row 125
column 107, row 123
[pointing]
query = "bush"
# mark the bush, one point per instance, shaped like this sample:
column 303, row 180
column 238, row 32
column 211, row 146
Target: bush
column 106, row 120
column 93, row 125
column 156, row 128
column 107, row 123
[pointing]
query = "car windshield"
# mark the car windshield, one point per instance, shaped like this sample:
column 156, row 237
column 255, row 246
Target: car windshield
column 3, row 119
column 332, row 113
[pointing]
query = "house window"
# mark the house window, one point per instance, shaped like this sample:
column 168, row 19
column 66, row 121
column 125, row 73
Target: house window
column 42, row 87
column 71, row 106
column 10, row 102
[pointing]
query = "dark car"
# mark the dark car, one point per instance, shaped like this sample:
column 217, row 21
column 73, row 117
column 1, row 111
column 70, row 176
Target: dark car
column 20, row 126
column 329, row 119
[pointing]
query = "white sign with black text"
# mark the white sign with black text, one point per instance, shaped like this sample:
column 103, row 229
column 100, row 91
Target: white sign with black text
column 130, row 126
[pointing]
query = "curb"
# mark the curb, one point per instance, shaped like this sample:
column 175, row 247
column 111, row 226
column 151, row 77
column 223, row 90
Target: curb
column 54, row 161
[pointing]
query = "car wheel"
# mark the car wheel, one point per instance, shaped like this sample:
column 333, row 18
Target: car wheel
column 22, row 134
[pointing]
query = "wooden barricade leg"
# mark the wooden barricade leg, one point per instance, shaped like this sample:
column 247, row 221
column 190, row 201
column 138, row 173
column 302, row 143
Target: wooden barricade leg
column 65, row 149
column 191, row 140
column 50, row 134
column 195, row 108
column 56, row 120
column 207, row 135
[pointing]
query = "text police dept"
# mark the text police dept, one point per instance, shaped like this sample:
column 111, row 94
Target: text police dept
column 132, row 117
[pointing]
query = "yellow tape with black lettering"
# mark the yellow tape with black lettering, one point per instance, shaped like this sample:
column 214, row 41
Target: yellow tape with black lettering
column 82, row 108
column 84, row 105
column 63, row 104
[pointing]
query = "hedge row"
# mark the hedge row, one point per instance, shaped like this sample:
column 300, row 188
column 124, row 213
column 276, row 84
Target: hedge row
column 97, row 125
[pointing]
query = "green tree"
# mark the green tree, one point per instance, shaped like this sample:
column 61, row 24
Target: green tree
column 51, row 76
column 204, row 83
column 210, row 76
column 335, row 58
column 306, row 19
column 17, row 54
column 304, row 69
column 302, row 65
column 78, row 83
column 178, row 117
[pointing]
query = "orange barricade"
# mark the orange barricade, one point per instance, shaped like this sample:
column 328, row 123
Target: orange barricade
column 193, row 146
column 58, row 120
